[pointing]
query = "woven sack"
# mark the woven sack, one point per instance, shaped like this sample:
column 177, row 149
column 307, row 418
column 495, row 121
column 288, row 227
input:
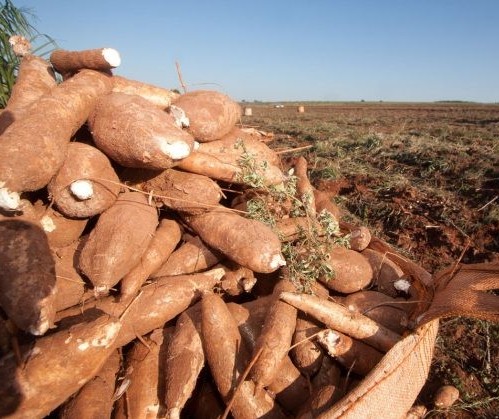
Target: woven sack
column 391, row 388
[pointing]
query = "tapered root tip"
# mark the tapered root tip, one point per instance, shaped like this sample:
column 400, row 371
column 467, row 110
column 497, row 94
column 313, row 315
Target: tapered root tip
column 40, row 328
column 44, row 318
column 9, row 201
column 173, row 413
column 82, row 189
column 289, row 297
column 111, row 56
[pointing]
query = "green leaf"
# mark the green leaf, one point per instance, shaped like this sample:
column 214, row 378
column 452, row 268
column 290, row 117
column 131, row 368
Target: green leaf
column 17, row 21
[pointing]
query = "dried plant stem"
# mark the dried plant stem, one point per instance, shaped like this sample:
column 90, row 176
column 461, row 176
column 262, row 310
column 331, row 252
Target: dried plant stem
column 150, row 194
column 127, row 308
column 291, row 150
column 70, row 279
column 488, row 203
column 240, row 383
column 458, row 261
column 180, row 79
column 305, row 340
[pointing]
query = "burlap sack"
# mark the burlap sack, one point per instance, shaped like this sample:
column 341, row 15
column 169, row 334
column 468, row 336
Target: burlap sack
column 461, row 290
column 393, row 385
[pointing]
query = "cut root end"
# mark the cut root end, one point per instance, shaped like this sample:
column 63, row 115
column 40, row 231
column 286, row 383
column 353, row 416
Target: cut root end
column 402, row 285
column 20, row 45
column 9, row 201
column 101, row 291
column 329, row 339
column 111, row 56
column 176, row 150
column 277, row 261
column 82, row 189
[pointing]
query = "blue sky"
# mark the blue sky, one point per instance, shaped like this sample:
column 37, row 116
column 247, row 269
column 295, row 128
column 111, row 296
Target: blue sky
column 418, row 50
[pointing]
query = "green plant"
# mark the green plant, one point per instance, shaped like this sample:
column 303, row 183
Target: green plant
column 251, row 170
column 492, row 214
column 307, row 257
column 258, row 210
column 372, row 141
column 16, row 21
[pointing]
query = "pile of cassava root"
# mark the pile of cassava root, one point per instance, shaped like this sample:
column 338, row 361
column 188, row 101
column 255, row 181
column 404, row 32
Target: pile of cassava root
column 160, row 260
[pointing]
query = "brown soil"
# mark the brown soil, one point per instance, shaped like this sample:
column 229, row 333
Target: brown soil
column 425, row 178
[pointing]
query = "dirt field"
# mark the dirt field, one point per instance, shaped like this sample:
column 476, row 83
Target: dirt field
column 425, row 178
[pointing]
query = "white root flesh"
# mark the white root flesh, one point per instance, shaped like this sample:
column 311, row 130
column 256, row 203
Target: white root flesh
column 277, row 261
column 9, row 200
column 111, row 56
column 175, row 150
column 82, row 189
column 402, row 285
